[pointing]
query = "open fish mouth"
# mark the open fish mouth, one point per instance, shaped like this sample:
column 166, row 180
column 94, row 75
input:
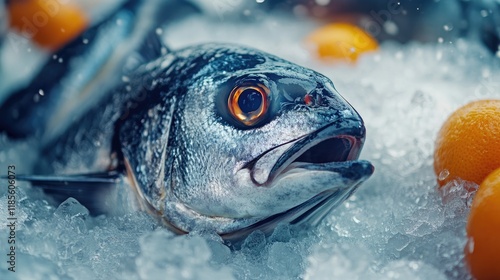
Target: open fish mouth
column 319, row 153
column 324, row 149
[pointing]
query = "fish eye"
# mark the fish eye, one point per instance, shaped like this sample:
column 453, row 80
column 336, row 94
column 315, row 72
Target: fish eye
column 249, row 104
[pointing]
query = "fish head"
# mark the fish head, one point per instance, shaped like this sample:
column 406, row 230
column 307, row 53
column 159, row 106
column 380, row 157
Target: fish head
column 254, row 141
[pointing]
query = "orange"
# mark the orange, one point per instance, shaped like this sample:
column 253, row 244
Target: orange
column 49, row 23
column 341, row 42
column 482, row 250
column 468, row 144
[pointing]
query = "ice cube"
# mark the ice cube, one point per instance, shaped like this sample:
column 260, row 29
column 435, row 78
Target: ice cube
column 71, row 208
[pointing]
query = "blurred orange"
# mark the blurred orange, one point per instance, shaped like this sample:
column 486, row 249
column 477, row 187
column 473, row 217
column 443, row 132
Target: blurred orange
column 341, row 42
column 468, row 144
column 482, row 250
column 49, row 23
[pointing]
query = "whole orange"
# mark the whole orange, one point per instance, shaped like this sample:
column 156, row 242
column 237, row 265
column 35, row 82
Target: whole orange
column 468, row 144
column 341, row 42
column 482, row 250
column 50, row 24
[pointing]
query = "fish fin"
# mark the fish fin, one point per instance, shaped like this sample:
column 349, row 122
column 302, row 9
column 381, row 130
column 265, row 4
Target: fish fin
column 91, row 190
column 152, row 47
column 167, row 12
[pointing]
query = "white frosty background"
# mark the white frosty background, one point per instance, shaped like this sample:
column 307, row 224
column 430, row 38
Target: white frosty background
column 395, row 227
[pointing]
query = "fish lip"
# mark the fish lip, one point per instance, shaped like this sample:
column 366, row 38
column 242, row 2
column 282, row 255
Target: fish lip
column 354, row 134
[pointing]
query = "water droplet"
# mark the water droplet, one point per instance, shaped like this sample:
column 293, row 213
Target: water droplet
column 448, row 27
column 159, row 31
column 443, row 175
column 260, row 1
column 484, row 13
column 440, row 40
column 60, row 60
column 85, row 41
column 391, row 28
column 41, row 92
column 125, row 79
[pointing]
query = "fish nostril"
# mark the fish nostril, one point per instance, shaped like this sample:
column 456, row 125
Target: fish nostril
column 309, row 100
column 314, row 100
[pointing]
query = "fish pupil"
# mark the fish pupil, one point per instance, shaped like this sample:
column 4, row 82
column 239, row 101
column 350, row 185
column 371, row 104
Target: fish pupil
column 250, row 100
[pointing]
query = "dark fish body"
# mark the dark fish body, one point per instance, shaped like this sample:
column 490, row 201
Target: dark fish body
column 77, row 75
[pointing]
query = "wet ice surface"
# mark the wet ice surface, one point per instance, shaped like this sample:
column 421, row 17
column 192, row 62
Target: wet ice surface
column 395, row 227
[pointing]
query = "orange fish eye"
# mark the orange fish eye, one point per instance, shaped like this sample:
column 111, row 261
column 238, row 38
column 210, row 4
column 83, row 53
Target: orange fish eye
column 248, row 104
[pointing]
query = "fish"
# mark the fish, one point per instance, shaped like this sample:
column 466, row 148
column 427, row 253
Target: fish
column 76, row 76
column 214, row 137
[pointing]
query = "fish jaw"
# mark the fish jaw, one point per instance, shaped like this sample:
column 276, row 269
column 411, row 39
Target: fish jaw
column 322, row 161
